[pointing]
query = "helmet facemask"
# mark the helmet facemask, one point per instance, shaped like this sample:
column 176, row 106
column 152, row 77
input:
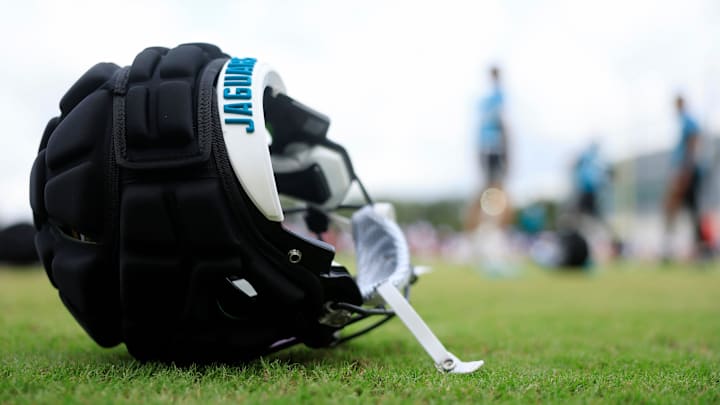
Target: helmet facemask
column 317, row 173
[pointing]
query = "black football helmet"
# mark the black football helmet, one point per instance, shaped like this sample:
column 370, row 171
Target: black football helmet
column 156, row 195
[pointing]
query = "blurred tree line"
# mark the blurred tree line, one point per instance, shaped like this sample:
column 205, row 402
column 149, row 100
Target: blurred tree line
column 442, row 213
column 449, row 213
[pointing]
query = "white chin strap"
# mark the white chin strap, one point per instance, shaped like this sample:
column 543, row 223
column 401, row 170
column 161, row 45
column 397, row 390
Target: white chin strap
column 444, row 360
column 384, row 268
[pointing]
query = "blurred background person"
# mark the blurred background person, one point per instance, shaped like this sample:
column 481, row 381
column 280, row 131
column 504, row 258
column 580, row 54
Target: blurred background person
column 489, row 213
column 493, row 141
column 684, row 181
column 591, row 178
column 493, row 155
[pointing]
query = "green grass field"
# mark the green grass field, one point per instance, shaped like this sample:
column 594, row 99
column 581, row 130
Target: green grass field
column 630, row 333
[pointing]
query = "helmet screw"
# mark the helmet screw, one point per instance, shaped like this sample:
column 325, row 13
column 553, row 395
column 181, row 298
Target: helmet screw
column 294, row 256
column 448, row 364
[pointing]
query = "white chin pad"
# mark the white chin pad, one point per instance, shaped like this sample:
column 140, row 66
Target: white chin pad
column 382, row 251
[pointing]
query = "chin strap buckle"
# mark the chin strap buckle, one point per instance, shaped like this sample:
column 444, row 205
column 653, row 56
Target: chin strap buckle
column 445, row 361
column 336, row 318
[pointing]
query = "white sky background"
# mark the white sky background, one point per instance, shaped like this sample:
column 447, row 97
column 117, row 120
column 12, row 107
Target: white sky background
column 400, row 80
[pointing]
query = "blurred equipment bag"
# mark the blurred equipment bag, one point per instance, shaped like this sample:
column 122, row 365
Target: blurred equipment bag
column 17, row 246
column 566, row 249
column 156, row 196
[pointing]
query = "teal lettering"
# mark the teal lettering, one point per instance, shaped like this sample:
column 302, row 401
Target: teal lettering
column 239, row 108
column 243, row 61
column 241, row 93
column 239, row 70
column 238, row 74
column 250, row 125
column 242, row 80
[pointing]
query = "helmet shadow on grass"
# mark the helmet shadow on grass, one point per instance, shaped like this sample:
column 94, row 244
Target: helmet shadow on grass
column 103, row 364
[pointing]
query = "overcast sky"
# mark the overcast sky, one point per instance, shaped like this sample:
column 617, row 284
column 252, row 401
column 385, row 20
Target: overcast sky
column 400, row 80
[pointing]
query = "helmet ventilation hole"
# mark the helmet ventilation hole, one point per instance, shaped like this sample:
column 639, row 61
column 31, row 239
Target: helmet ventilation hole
column 73, row 233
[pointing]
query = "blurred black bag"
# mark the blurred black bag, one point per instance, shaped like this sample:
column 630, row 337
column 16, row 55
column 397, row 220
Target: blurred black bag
column 576, row 252
column 17, row 244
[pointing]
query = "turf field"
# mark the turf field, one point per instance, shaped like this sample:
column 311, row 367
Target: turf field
column 630, row 333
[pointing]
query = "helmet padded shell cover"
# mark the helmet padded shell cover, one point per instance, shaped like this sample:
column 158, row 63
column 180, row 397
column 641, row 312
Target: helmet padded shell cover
column 142, row 224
